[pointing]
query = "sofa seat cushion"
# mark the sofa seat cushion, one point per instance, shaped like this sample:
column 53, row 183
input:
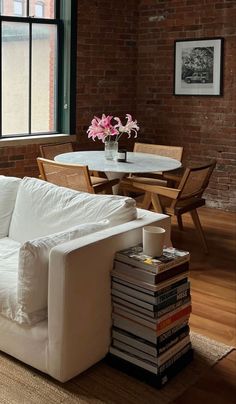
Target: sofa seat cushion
column 43, row 208
column 24, row 273
column 8, row 191
column 9, row 252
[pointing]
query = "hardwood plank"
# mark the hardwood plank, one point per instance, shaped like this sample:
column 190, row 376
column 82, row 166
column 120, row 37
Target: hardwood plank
column 213, row 289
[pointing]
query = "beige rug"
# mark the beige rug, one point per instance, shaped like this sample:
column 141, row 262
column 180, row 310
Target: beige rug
column 20, row 384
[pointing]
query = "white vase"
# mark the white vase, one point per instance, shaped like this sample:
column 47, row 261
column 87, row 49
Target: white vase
column 111, row 149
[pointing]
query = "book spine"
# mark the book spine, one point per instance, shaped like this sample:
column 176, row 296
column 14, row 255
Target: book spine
column 133, row 359
column 161, row 301
column 132, row 312
column 139, row 310
column 133, row 292
column 160, row 267
column 146, row 364
column 174, row 358
column 176, row 262
column 176, row 270
column 164, row 357
column 168, row 335
column 133, row 300
column 150, row 348
column 174, row 339
column 139, row 274
column 173, row 292
column 173, row 304
column 171, row 319
column 157, row 381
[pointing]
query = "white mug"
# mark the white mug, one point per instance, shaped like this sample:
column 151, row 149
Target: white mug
column 153, row 240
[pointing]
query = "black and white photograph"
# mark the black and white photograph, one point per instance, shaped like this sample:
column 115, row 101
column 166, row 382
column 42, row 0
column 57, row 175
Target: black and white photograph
column 198, row 67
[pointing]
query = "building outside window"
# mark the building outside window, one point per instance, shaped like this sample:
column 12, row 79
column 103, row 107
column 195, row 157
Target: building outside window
column 39, row 9
column 18, row 7
column 35, row 89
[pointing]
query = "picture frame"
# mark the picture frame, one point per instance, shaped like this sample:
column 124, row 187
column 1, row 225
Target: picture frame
column 198, row 67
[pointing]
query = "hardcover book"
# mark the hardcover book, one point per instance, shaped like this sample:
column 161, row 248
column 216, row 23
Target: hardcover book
column 159, row 301
column 160, row 309
column 143, row 331
column 145, row 287
column 153, row 287
column 146, row 275
column 169, row 339
column 156, row 360
column 155, row 324
column 140, row 373
column 170, row 258
column 145, row 364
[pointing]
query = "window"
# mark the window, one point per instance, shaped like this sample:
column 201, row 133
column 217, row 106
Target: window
column 18, row 7
column 39, row 9
column 37, row 95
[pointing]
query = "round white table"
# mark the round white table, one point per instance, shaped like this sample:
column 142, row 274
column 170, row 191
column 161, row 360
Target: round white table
column 136, row 163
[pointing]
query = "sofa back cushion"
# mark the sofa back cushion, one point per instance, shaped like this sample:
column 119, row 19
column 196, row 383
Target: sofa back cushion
column 32, row 286
column 8, row 191
column 43, row 208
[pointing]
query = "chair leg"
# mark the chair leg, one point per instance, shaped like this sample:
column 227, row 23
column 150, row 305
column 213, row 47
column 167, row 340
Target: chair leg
column 180, row 222
column 156, row 203
column 198, row 226
column 146, row 201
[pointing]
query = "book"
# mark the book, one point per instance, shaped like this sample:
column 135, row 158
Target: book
column 159, row 309
column 143, row 331
column 147, row 276
column 156, row 360
column 158, row 323
column 160, row 287
column 145, row 364
column 153, row 349
column 144, row 287
column 159, row 300
column 157, row 381
column 170, row 258
column 157, row 314
column 138, row 310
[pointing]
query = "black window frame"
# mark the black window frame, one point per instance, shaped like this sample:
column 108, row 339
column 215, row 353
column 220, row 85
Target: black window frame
column 66, row 21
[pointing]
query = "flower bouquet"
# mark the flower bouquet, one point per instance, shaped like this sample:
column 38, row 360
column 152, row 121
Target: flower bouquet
column 104, row 129
column 110, row 130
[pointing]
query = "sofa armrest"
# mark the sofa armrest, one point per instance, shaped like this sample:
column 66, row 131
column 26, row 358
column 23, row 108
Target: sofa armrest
column 79, row 295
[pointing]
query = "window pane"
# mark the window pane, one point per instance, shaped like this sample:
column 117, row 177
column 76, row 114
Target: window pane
column 15, row 78
column 44, row 73
column 42, row 8
column 14, row 7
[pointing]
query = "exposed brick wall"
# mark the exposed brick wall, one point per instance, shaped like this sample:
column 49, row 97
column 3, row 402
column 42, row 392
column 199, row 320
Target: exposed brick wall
column 19, row 161
column 205, row 126
column 106, row 61
column 125, row 64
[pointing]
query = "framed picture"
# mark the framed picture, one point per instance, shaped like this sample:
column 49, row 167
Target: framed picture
column 198, row 66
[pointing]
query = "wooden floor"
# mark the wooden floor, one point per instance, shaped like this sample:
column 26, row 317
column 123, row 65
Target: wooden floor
column 213, row 288
column 213, row 285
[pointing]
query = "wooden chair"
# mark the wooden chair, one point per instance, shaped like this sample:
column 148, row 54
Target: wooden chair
column 186, row 198
column 73, row 176
column 50, row 150
column 174, row 152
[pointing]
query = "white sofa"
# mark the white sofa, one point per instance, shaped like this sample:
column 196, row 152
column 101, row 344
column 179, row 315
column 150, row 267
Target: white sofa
column 56, row 253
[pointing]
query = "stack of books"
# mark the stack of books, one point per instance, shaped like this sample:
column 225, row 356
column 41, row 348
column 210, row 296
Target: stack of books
column 151, row 308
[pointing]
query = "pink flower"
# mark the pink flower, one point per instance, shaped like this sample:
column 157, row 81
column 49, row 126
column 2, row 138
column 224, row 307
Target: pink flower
column 128, row 128
column 102, row 128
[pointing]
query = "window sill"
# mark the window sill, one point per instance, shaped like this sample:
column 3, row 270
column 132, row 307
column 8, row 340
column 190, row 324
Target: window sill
column 37, row 140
